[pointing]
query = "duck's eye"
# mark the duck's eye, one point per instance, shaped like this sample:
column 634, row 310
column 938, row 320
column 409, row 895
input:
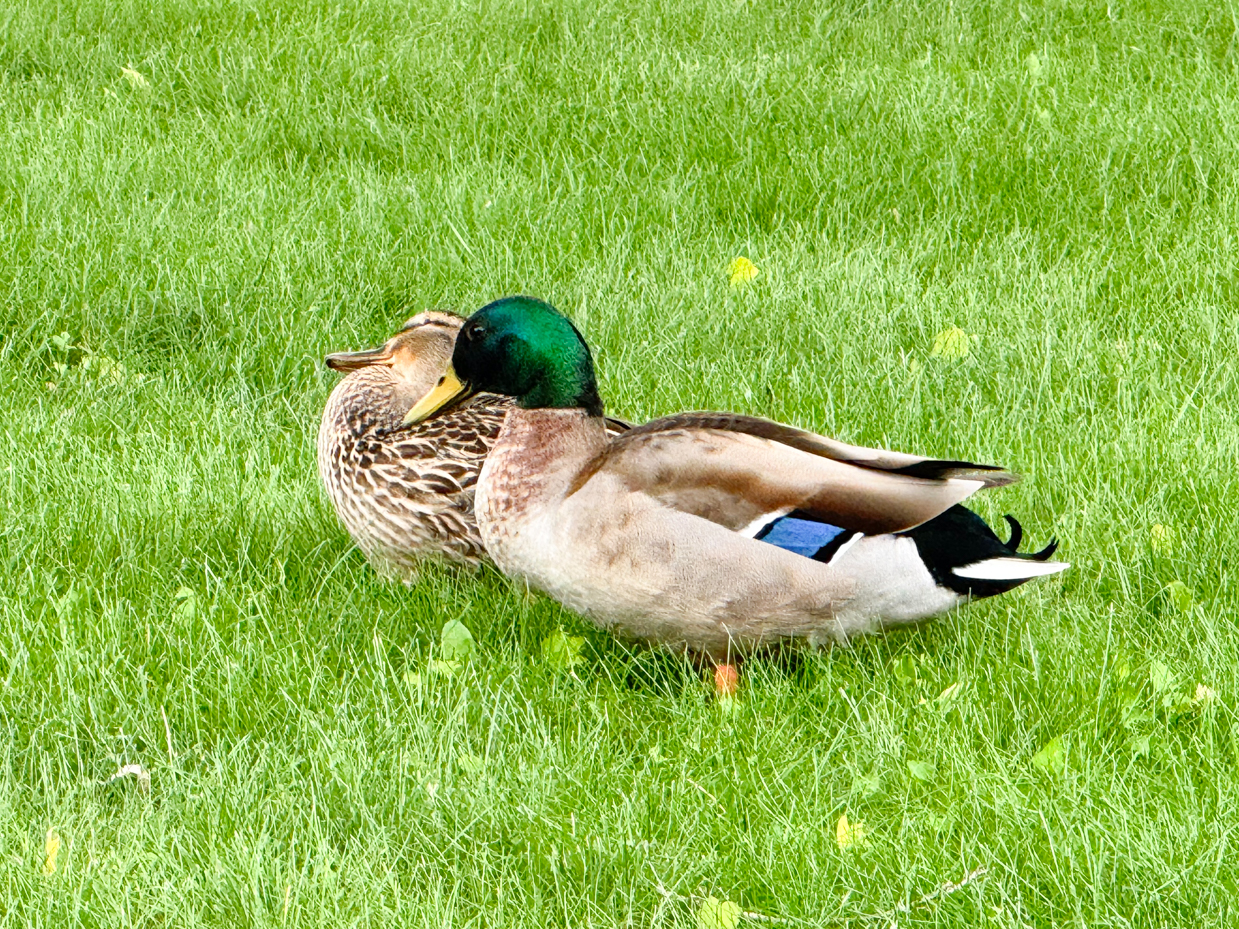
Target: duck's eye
column 474, row 332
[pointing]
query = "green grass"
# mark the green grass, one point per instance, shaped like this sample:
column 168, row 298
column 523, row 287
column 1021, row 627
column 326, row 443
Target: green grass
column 285, row 179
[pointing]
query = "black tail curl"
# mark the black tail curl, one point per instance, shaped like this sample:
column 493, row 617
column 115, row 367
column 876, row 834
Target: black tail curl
column 1017, row 535
column 960, row 537
column 1017, row 532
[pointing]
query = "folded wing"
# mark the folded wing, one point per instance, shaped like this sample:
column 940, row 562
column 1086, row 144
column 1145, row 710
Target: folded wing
column 738, row 471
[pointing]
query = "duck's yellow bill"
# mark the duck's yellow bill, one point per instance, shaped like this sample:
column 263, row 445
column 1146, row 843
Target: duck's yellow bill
column 443, row 393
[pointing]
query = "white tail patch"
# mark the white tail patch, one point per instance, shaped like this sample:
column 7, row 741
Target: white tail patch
column 1008, row 569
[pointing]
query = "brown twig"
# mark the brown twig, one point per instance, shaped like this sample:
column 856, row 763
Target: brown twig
column 708, row 794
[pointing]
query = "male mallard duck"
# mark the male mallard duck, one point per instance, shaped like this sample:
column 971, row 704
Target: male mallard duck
column 711, row 533
column 405, row 492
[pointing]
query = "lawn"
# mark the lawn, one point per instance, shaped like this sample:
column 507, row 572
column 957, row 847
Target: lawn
column 200, row 199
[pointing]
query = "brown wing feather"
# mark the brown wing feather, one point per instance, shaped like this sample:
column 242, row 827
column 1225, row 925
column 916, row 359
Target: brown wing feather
column 876, row 458
column 733, row 470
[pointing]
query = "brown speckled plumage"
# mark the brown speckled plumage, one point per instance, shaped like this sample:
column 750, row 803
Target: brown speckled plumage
column 405, row 493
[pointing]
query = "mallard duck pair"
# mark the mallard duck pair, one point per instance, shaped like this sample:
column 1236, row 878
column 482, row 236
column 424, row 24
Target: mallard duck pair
column 709, row 533
column 405, row 493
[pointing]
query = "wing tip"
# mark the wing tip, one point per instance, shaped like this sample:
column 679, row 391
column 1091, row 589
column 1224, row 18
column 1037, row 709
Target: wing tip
column 941, row 469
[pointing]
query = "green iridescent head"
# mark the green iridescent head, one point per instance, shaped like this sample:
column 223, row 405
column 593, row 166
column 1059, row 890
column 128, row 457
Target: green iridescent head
column 520, row 347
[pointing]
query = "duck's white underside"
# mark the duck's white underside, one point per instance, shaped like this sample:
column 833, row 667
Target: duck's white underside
column 689, row 583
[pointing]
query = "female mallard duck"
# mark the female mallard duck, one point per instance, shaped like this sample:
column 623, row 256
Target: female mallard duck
column 711, row 533
column 405, row 492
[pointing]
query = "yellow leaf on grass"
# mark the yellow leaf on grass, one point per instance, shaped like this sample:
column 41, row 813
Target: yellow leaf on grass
column 922, row 770
column 1180, row 595
column 1160, row 676
column 741, row 271
column 51, row 847
column 112, row 373
column 1052, row 758
column 456, row 642
column 1204, row 695
column 950, row 693
column 718, row 914
column 1162, row 538
column 951, row 343
column 185, row 604
column 561, row 651
column 135, row 79
column 850, row 834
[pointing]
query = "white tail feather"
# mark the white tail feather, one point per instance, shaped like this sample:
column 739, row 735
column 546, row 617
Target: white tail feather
column 1008, row 569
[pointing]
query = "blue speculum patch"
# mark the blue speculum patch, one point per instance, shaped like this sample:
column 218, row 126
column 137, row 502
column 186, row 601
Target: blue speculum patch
column 802, row 536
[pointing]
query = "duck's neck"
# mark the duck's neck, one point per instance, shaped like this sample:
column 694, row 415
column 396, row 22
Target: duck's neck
column 536, row 457
column 364, row 403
